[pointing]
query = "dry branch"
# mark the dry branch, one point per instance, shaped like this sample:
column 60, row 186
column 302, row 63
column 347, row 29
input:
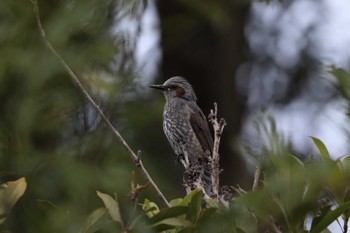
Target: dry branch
column 215, row 159
column 76, row 81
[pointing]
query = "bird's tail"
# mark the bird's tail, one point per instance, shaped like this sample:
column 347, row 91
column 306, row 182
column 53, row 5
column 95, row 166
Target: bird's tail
column 206, row 176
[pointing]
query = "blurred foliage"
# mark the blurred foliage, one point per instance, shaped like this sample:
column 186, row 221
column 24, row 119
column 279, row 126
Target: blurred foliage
column 50, row 136
column 291, row 192
column 9, row 195
column 343, row 83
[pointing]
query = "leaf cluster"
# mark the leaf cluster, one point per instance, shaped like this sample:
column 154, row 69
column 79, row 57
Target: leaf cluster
column 291, row 193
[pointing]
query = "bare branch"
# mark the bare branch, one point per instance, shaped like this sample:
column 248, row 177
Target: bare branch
column 214, row 160
column 76, row 81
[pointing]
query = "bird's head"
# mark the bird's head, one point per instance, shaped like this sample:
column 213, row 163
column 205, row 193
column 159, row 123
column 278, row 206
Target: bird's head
column 177, row 87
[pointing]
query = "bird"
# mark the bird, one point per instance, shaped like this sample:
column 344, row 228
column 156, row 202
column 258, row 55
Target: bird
column 185, row 125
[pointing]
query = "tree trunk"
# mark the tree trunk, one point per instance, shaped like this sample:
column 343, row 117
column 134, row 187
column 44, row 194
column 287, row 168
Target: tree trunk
column 208, row 52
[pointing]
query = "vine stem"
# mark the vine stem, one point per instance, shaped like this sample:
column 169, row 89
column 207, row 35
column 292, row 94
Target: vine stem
column 136, row 158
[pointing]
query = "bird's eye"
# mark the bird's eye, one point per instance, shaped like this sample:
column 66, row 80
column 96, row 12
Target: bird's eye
column 171, row 87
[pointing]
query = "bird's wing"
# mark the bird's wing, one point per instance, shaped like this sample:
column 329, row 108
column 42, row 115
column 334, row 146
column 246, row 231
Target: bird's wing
column 200, row 127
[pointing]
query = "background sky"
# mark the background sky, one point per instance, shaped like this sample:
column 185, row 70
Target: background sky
column 282, row 37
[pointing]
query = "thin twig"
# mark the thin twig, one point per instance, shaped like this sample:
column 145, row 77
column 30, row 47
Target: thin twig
column 76, row 81
column 346, row 219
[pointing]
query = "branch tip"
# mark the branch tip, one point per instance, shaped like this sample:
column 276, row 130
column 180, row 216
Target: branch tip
column 138, row 154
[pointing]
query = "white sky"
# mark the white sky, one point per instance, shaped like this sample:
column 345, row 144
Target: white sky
column 280, row 35
column 143, row 38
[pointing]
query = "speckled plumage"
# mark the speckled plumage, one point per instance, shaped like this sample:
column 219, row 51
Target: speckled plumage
column 184, row 123
column 179, row 131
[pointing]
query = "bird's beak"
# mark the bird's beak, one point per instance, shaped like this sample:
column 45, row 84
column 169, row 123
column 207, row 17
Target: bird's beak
column 158, row 86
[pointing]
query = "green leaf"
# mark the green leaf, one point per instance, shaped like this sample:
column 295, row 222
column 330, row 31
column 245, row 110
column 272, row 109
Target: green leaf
column 258, row 201
column 295, row 160
column 111, row 205
column 150, row 208
column 170, row 218
column 187, row 199
column 10, row 192
column 47, row 205
column 171, row 212
column 343, row 164
column 3, row 218
column 172, row 222
column 176, row 202
column 91, row 225
column 321, row 148
column 207, row 214
column 195, row 207
column 187, row 230
column 343, row 78
column 330, row 217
